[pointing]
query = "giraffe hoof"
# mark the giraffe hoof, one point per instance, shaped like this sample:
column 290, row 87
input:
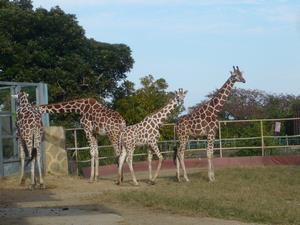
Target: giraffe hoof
column 22, row 182
column 136, row 184
column 118, row 182
column 212, row 179
column 42, row 186
column 31, row 187
column 151, row 182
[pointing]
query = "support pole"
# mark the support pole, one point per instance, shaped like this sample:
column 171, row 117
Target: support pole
column 1, row 153
column 262, row 138
column 220, row 140
column 174, row 136
column 76, row 151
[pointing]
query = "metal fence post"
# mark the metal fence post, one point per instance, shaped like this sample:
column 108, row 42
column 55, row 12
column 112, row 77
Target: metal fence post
column 174, row 134
column 262, row 138
column 1, row 153
column 76, row 151
column 220, row 140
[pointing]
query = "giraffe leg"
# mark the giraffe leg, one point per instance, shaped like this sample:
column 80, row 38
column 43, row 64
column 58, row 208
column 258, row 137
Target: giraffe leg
column 22, row 156
column 32, row 181
column 94, row 154
column 129, row 162
column 181, row 159
column 177, row 169
column 38, row 159
column 96, row 163
column 118, row 153
column 160, row 159
column 92, row 167
column 150, row 164
column 122, row 158
column 210, row 149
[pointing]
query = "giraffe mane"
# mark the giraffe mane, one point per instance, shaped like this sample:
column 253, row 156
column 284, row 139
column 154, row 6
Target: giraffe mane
column 156, row 111
column 73, row 101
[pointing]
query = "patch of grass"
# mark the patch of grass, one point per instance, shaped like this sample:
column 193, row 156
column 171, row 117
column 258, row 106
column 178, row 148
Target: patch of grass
column 261, row 195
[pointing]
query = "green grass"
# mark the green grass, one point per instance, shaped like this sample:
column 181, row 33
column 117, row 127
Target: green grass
column 268, row 195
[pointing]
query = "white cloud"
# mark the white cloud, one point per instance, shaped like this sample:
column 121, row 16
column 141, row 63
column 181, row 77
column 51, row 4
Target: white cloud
column 282, row 13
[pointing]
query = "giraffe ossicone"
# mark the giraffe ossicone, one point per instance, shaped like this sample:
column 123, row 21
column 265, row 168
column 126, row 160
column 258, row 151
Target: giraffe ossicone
column 203, row 121
column 146, row 133
column 29, row 129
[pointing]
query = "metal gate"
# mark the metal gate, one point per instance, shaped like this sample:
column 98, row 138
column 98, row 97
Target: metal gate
column 9, row 155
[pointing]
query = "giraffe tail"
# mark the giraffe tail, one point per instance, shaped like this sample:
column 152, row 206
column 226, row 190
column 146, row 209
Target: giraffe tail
column 120, row 146
column 119, row 151
column 175, row 151
column 33, row 151
column 25, row 147
column 23, row 143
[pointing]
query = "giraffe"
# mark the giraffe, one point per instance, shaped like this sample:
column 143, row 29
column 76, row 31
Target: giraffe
column 146, row 133
column 94, row 118
column 29, row 128
column 203, row 121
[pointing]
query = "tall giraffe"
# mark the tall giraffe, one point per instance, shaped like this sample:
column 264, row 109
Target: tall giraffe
column 203, row 121
column 95, row 118
column 146, row 133
column 29, row 128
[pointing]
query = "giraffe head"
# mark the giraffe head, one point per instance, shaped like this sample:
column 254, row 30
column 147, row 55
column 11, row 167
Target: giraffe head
column 22, row 98
column 179, row 96
column 237, row 75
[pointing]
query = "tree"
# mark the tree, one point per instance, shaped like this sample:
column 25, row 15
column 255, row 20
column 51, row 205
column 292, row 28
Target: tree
column 242, row 104
column 49, row 46
column 247, row 104
column 137, row 104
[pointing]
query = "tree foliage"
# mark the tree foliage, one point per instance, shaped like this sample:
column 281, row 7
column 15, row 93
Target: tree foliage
column 135, row 105
column 49, row 46
column 246, row 104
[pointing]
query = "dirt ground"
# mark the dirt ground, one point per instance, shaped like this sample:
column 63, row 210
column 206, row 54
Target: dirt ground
column 73, row 201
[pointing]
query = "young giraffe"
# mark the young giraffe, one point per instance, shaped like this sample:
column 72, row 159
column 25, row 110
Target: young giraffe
column 29, row 128
column 146, row 133
column 95, row 118
column 203, row 121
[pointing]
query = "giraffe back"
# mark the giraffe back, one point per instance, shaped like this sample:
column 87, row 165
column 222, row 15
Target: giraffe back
column 28, row 121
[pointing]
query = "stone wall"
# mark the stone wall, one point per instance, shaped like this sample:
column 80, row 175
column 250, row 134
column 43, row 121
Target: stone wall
column 56, row 161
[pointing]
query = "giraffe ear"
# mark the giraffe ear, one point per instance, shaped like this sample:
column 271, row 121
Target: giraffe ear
column 185, row 92
column 27, row 95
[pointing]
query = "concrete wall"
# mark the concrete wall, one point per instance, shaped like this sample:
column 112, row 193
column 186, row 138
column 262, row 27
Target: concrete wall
column 56, row 161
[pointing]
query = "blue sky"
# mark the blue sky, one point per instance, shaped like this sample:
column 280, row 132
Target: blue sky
column 194, row 43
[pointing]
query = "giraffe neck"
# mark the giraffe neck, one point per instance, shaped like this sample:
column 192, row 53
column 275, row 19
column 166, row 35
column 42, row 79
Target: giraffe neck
column 76, row 106
column 160, row 116
column 23, row 103
column 220, row 98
